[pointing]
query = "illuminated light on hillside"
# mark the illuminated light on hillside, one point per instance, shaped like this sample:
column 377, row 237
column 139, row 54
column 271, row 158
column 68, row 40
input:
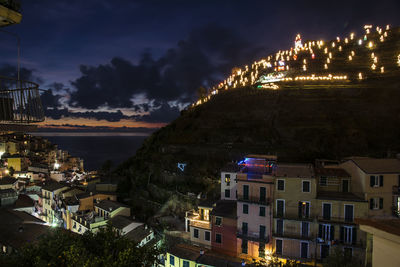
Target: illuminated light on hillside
column 333, row 44
column 330, row 55
column 367, row 31
column 304, row 68
column 385, row 34
column 350, row 58
column 372, row 55
column 382, row 69
column 338, row 39
column 326, row 50
column 313, row 56
column 373, row 66
column 352, row 36
column 398, row 60
column 268, row 86
column 360, row 76
column 340, row 48
column 359, row 42
column 365, row 37
column 375, row 59
column 370, row 45
column 381, row 38
column 328, row 60
column 305, row 61
column 353, row 53
column 367, row 26
column 326, row 66
column 387, row 27
column 313, row 77
column 346, row 40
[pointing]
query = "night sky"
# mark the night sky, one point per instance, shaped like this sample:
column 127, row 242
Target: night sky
column 137, row 63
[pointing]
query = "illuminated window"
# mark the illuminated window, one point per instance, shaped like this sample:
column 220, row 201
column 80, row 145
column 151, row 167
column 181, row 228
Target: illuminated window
column 227, row 179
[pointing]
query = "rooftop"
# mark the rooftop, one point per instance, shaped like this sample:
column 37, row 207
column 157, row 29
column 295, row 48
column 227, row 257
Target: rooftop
column 52, row 186
column 390, row 226
column 120, row 221
column 230, row 167
column 24, row 201
column 109, row 205
column 294, row 170
column 225, row 208
column 185, row 251
column 331, row 172
column 372, row 165
column 139, row 233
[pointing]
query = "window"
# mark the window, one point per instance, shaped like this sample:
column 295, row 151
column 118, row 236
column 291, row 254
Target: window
column 323, row 181
column 218, row 221
column 279, row 227
column 171, row 260
column 304, row 250
column 345, row 186
column 244, row 246
column 376, row 203
column 326, row 211
column 207, row 236
column 280, row 207
column 262, row 211
column 218, row 238
column 347, row 234
column 227, row 193
column 304, row 209
column 376, row 180
column 305, row 229
column 196, row 233
column 306, row 186
column 245, row 209
column 245, row 192
column 263, row 194
column 326, row 232
column 185, row 264
column 244, row 228
column 262, row 231
column 278, row 246
column 281, row 185
column 348, row 213
column 227, row 179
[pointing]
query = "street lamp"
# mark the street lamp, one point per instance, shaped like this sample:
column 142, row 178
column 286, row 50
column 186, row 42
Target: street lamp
column 19, row 49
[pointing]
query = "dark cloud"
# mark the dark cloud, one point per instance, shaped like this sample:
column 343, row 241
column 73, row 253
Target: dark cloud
column 49, row 100
column 207, row 55
column 164, row 113
column 11, row 71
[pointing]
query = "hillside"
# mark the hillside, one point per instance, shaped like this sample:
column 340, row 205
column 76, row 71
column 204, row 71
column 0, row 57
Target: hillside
column 299, row 122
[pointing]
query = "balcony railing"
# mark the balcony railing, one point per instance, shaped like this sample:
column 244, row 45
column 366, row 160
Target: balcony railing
column 11, row 4
column 396, row 190
column 294, row 236
column 253, row 236
column 293, row 217
column 255, row 199
column 336, row 219
column 19, row 102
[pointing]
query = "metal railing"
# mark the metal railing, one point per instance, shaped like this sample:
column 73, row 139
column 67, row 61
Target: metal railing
column 11, row 4
column 253, row 236
column 19, row 102
column 396, row 190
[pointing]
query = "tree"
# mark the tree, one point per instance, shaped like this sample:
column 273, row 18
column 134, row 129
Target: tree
column 62, row 248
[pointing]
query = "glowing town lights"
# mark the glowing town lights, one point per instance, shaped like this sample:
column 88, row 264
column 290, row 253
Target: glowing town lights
column 387, row 27
column 330, row 55
column 346, row 40
column 350, row 58
column 398, row 60
column 304, row 61
column 370, row 45
column 338, row 39
column 360, row 42
column 381, row 38
column 340, row 48
column 352, row 53
column 333, row 44
column 375, row 59
column 382, row 69
column 373, row 66
column 360, row 76
column 351, row 36
column 365, row 38
column 326, row 66
column 367, row 31
column 385, row 34
column 328, row 60
column 367, row 26
column 304, row 67
column 326, row 50
column 313, row 56
column 372, row 55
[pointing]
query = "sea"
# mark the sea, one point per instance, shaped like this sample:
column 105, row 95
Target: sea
column 96, row 148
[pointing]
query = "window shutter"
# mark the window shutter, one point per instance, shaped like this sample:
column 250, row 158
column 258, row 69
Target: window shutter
column 341, row 234
column 320, row 231
column 380, row 203
column 371, row 204
column 354, row 235
column 371, row 180
column 300, row 209
column 308, row 209
column 381, row 180
column 332, row 237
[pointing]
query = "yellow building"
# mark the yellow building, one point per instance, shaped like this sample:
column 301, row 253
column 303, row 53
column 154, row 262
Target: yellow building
column 385, row 241
column 376, row 181
column 51, row 202
column 18, row 163
column 198, row 224
column 295, row 211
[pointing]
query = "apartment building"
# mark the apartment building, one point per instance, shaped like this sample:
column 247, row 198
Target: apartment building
column 377, row 181
column 51, row 202
column 255, row 185
column 198, row 224
column 294, row 211
column 229, row 181
column 337, row 208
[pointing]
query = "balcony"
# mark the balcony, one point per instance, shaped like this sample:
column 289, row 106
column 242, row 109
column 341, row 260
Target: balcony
column 255, row 200
column 252, row 236
column 339, row 220
column 20, row 105
column 10, row 12
column 294, row 217
column 294, row 236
